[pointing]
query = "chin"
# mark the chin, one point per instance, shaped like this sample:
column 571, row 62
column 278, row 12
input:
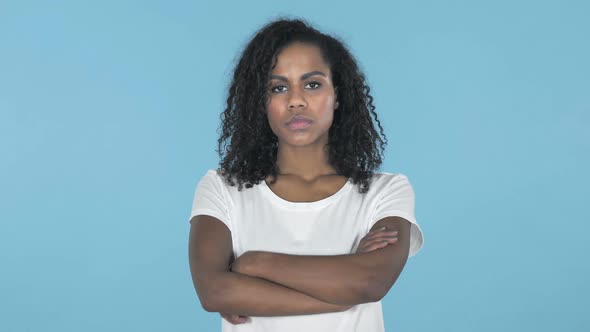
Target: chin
column 300, row 141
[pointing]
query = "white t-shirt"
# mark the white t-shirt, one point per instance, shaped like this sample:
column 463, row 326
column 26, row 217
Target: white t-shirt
column 261, row 220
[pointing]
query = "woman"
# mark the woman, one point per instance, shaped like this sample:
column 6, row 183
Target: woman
column 317, row 237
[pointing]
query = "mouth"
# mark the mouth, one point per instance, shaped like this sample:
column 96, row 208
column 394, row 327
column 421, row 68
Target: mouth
column 299, row 124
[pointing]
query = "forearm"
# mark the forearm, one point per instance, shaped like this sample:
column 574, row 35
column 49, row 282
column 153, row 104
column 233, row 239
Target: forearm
column 250, row 296
column 340, row 279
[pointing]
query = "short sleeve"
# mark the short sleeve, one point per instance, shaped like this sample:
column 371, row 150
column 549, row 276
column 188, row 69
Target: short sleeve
column 210, row 200
column 397, row 199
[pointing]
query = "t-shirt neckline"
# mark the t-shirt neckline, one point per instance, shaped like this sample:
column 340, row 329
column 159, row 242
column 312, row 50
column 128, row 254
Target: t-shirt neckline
column 276, row 199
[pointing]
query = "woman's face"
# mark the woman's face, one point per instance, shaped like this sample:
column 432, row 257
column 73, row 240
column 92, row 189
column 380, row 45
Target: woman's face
column 301, row 85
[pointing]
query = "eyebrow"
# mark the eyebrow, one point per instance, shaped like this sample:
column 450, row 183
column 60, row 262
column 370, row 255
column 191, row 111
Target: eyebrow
column 303, row 77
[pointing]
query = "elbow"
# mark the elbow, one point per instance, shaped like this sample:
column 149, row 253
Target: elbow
column 211, row 301
column 367, row 292
column 380, row 283
column 208, row 305
column 374, row 294
column 376, row 289
column 208, row 300
column 211, row 292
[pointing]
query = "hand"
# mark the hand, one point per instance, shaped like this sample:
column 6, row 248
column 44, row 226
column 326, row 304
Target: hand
column 377, row 239
column 235, row 319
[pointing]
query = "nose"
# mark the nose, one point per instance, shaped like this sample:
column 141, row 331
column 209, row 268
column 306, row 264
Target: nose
column 296, row 99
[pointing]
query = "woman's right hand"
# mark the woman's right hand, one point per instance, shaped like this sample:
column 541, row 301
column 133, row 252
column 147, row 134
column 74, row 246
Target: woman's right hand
column 235, row 319
column 377, row 239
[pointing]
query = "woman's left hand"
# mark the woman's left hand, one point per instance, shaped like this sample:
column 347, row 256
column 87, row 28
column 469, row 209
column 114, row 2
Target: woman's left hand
column 377, row 239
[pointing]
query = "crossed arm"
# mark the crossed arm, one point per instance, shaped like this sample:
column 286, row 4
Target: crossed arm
column 271, row 284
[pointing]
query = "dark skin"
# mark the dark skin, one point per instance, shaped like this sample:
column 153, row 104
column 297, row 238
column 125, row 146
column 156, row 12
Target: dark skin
column 301, row 85
column 376, row 239
column 306, row 176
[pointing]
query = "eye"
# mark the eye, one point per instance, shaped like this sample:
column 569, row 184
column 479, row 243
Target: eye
column 315, row 85
column 277, row 88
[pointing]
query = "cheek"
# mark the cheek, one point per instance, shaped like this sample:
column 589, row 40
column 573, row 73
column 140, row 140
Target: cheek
column 273, row 113
column 323, row 102
column 272, row 105
column 329, row 101
column 326, row 104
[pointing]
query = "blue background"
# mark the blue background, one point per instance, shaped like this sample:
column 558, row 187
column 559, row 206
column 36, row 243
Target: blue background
column 109, row 117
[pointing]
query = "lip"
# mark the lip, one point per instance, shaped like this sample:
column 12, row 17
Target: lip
column 299, row 124
column 299, row 117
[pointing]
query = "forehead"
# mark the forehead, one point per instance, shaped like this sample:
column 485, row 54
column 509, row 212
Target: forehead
column 300, row 57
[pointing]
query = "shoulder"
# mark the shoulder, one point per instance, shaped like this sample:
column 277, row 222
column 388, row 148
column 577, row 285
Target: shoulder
column 385, row 180
column 216, row 175
column 388, row 176
column 212, row 183
column 212, row 173
column 213, row 176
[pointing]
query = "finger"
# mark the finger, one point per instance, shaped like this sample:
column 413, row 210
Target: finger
column 370, row 237
column 388, row 239
column 381, row 239
column 229, row 317
column 379, row 243
column 377, row 239
column 362, row 246
column 374, row 246
column 367, row 245
column 235, row 319
column 375, row 236
column 381, row 233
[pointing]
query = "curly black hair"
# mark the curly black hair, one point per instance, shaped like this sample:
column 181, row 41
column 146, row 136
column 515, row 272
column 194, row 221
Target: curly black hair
column 252, row 152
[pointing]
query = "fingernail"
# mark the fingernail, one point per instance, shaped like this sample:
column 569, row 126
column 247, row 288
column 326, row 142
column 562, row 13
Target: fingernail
column 382, row 228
